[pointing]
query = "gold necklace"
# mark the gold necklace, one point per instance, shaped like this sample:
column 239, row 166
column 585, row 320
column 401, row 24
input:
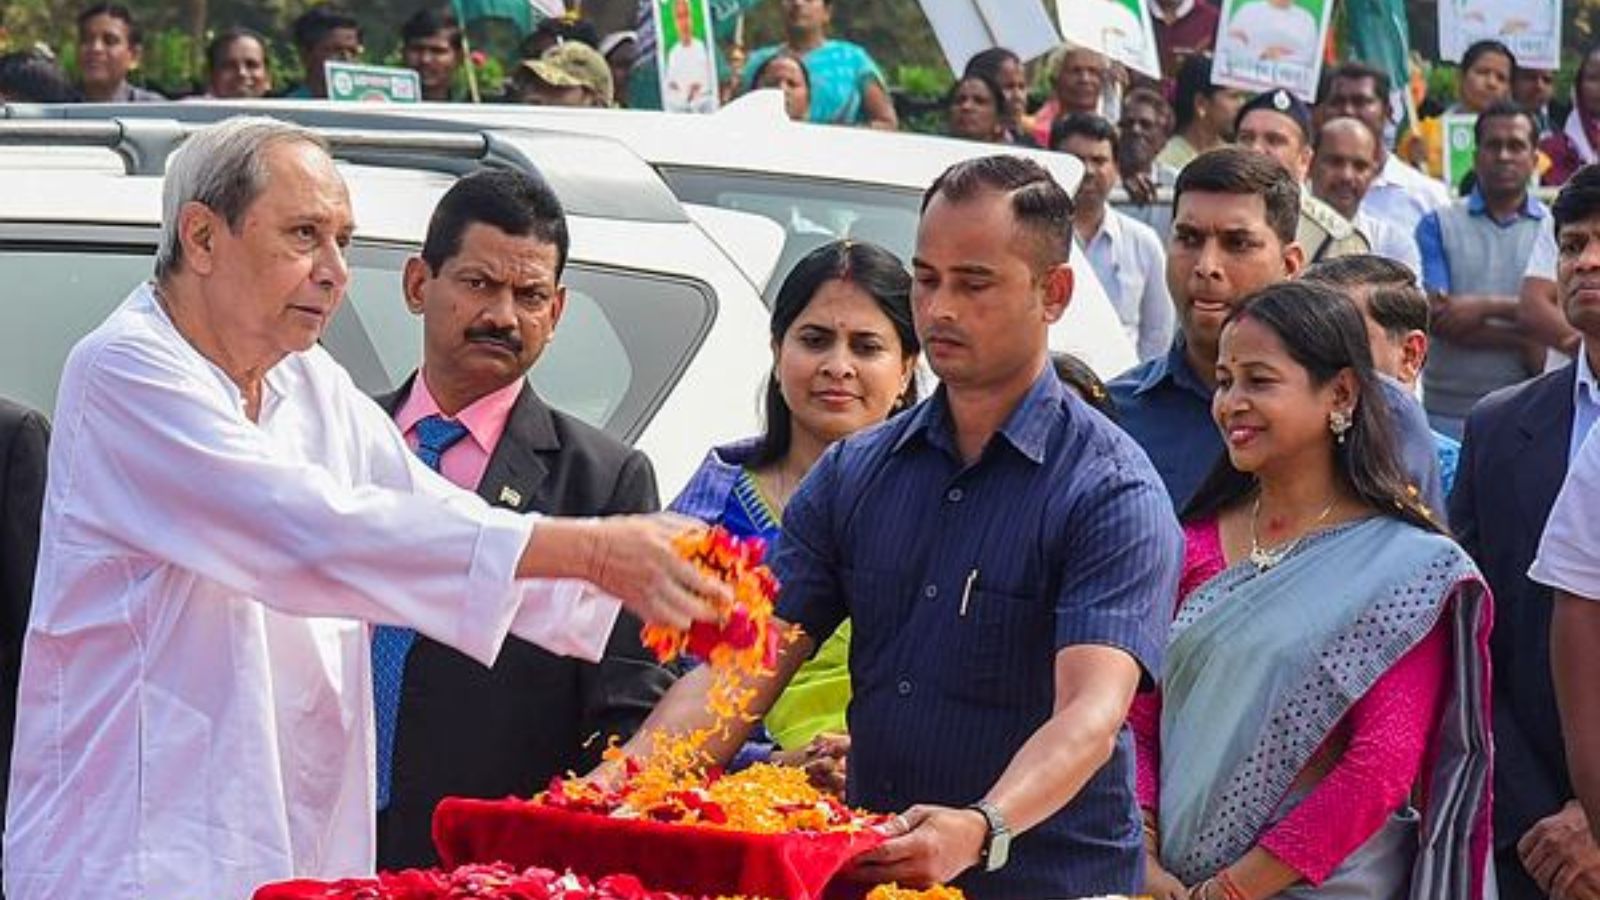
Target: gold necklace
column 1264, row 558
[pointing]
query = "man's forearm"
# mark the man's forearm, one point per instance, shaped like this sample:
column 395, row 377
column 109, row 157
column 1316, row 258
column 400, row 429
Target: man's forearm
column 1489, row 321
column 686, row 709
column 1051, row 768
column 560, row 548
column 1575, row 667
column 1498, row 311
column 1068, row 749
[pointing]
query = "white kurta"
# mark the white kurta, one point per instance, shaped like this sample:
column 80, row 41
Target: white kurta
column 195, row 712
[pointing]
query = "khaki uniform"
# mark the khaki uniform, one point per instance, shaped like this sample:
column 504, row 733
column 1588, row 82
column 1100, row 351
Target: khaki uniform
column 1324, row 233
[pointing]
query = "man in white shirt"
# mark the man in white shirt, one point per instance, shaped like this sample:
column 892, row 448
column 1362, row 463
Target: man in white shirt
column 1569, row 552
column 1126, row 254
column 1399, row 194
column 1275, row 31
column 691, row 82
column 1343, row 164
column 1569, row 562
column 226, row 512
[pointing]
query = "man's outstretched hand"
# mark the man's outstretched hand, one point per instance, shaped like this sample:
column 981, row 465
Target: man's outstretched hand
column 635, row 561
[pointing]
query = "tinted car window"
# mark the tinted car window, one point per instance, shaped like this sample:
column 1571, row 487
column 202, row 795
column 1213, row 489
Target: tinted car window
column 811, row 212
column 621, row 345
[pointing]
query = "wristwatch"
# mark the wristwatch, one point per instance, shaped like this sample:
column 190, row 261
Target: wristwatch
column 997, row 843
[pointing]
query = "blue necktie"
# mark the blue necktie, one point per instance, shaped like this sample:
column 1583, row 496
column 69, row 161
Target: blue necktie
column 391, row 643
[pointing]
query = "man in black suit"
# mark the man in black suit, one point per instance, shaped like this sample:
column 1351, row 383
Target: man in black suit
column 24, row 439
column 1517, row 446
column 487, row 286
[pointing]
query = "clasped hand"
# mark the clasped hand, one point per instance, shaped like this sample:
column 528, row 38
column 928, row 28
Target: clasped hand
column 1560, row 854
column 824, row 761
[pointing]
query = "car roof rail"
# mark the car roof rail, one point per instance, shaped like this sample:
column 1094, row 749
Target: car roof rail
column 143, row 145
column 593, row 176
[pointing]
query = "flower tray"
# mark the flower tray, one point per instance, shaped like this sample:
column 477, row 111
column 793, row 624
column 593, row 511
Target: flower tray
column 687, row 859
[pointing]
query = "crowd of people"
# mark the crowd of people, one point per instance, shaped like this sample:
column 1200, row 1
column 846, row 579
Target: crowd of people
column 1304, row 605
column 562, row 62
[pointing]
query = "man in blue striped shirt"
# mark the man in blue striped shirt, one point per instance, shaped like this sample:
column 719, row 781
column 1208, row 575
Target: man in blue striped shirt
column 1009, row 559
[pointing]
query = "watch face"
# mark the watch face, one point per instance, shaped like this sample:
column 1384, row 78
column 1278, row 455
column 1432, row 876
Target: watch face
column 999, row 849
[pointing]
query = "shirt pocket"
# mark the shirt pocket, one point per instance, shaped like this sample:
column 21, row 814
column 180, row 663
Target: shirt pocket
column 1004, row 649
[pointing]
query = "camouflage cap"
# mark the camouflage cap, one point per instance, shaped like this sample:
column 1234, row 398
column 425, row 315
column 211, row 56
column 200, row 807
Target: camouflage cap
column 574, row 64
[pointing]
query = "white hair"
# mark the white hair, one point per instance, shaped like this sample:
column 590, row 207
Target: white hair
column 224, row 168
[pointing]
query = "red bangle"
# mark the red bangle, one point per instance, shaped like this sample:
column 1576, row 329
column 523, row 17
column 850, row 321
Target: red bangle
column 1230, row 888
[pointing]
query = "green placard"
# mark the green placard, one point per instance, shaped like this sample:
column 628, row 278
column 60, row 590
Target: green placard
column 1459, row 145
column 355, row 83
column 686, row 62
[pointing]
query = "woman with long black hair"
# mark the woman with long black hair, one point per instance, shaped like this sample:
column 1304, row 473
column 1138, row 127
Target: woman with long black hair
column 843, row 359
column 1328, row 658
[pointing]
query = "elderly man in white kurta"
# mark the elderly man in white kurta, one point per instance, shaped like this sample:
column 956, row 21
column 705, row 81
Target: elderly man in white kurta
column 226, row 513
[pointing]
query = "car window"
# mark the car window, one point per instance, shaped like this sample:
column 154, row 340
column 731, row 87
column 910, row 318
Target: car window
column 622, row 343
column 812, row 212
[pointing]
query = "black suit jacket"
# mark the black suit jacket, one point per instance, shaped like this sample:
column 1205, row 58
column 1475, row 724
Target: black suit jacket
column 24, row 439
column 1513, row 460
column 467, row 731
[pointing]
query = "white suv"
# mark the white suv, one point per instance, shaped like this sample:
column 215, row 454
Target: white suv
column 664, row 342
column 817, row 182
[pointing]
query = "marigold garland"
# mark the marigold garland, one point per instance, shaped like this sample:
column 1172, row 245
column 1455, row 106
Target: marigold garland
column 676, row 781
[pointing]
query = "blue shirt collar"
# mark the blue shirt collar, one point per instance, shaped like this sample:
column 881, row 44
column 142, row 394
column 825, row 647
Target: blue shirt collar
column 1531, row 207
column 1027, row 429
column 1586, row 386
column 1174, row 366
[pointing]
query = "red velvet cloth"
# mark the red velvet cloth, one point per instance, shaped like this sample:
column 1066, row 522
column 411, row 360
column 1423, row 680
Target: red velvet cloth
column 687, row 859
column 488, row 881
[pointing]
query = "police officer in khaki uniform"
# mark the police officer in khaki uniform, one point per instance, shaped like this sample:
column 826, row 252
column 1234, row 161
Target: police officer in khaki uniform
column 1278, row 124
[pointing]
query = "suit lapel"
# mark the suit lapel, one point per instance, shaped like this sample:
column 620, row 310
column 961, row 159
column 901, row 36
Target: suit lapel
column 1544, row 431
column 516, row 473
column 392, row 402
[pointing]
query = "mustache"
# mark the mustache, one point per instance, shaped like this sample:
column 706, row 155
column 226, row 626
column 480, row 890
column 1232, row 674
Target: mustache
column 506, row 337
column 944, row 333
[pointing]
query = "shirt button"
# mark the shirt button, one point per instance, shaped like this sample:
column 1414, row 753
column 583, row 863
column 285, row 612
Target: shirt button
column 931, row 591
column 954, row 495
column 904, row 687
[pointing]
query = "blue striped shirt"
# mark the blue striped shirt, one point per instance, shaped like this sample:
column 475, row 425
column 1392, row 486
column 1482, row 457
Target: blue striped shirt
column 962, row 583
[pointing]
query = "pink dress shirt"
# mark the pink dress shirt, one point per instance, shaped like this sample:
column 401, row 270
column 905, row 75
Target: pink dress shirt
column 1385, row 738
column 485, row 418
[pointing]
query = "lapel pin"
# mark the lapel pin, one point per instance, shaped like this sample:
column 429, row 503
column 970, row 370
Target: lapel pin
column 509, row 496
